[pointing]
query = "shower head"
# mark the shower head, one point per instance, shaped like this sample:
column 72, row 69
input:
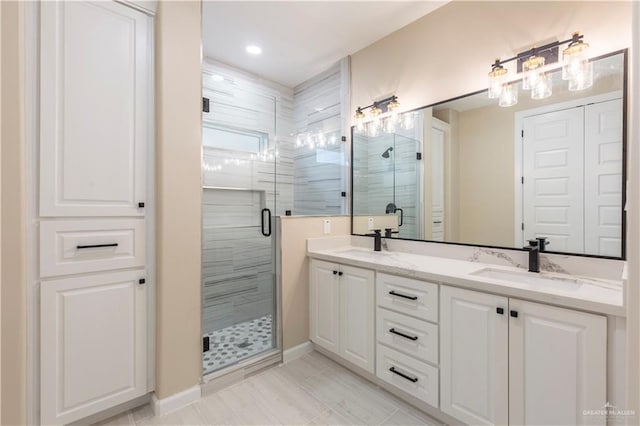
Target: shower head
column 386, row 153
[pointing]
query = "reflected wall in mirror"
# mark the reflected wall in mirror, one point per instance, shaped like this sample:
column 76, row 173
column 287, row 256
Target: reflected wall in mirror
column 468, row 171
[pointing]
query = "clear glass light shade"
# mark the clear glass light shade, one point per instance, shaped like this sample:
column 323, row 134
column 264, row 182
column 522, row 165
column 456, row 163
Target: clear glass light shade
column 582, row 78
column 389, row 124
column 532, row 71
column 406, row 121
column 497, row 78
column 508, row 95
column 359, row 121
column 542, row 87
column 373, row 128
column 574, row 59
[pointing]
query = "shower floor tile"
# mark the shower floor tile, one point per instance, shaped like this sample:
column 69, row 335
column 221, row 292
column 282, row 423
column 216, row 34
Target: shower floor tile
column 231, row 344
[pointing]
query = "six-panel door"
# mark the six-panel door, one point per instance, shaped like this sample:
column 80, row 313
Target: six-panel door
column 93, row 344
column 95, row 83
column 473, row 356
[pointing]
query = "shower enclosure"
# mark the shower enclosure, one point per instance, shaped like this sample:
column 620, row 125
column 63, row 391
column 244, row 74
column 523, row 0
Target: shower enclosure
column 240, row 163
column 387, row 179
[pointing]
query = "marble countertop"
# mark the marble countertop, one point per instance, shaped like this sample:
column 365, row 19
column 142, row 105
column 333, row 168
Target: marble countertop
column 577, row 292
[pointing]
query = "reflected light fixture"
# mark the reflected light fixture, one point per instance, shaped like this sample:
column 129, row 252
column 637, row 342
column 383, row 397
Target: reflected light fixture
column 576, row 68
column 508, row 95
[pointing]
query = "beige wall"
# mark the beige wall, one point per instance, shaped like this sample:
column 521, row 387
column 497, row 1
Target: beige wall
column 13, row 213
column 449, row 52
column 294, row 232
column 178, row 144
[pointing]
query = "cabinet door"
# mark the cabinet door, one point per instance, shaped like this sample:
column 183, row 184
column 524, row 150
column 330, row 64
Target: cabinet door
column 93, row 344
column 474, row 358
column 95, row 81
column 357, row 324
column 324, row 305
column 558, row 365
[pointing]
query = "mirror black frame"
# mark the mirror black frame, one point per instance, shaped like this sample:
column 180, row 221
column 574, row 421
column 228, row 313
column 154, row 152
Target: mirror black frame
column 625, row 84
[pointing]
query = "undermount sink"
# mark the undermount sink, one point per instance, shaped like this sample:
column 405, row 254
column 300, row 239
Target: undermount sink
column 540, row 279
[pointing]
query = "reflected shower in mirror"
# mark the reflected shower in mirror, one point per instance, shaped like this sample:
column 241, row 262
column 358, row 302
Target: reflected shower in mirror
column 470, row 171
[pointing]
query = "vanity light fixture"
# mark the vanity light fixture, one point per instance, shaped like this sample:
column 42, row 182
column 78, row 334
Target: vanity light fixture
column 576, row 68
column 383, row 115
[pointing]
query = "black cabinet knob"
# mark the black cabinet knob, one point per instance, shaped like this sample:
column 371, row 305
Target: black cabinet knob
column 514, row 314
column 340, row 273
column 335, row 272
column 142, row 281
column 140, row 205
column 500, row 311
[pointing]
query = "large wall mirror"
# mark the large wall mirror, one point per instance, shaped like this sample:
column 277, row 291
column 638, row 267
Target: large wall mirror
column 469, row 171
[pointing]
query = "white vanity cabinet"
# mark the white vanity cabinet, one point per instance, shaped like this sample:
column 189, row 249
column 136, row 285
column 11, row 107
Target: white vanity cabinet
column 342, row 311
column 92, row 220
column 407, row 335
column 523, row 363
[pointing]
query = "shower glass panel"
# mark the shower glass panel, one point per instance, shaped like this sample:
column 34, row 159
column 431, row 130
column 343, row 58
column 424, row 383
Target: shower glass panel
column 387, row 180
column 239, row 204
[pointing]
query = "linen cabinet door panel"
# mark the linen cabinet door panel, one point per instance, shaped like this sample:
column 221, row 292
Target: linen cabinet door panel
column 92, row 345
column 95, row 85
column 558, row 365
column 474, row 356
column 357, row 311
column 81, row 246
column 324, row 305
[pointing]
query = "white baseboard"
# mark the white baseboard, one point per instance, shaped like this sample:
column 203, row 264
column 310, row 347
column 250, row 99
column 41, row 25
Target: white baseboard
column 297, row 351
column 176, row 401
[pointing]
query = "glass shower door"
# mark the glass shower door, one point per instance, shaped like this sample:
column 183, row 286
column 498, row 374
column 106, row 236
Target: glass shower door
column 238, row 267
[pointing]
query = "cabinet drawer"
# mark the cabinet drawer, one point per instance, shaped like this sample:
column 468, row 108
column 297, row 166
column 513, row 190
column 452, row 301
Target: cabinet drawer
column 74, row 247
column 408, row 335
column 408, row 374
column 408, row 296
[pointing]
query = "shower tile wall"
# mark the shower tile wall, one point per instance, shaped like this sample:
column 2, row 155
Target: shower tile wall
column 237, row 261
column 321, row 106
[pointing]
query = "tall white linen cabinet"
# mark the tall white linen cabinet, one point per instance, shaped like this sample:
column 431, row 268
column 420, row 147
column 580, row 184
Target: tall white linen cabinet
column 94, row 203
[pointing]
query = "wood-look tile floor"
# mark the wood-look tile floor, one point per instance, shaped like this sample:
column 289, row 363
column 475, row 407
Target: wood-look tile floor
column 311, row 390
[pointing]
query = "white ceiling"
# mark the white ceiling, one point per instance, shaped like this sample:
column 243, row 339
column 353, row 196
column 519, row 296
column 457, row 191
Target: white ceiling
column 300, row 39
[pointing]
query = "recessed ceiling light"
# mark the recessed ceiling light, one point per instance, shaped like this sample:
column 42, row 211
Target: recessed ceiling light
column 254, row 50
column 217, row 77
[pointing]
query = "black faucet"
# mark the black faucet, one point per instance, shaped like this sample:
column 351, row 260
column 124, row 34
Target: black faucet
column 542, row 243
column 377, row 239
column 534, row 255
column 388, row 232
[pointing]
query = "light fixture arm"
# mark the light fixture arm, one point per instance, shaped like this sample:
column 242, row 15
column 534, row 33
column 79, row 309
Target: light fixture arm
column 378, row 104
column 576, row 37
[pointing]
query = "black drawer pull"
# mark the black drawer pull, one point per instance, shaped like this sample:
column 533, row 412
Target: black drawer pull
column 514, row 314
column 500, row 311
column 409, row 378
column 393, row 293
column 97, row 246
column 406, row 336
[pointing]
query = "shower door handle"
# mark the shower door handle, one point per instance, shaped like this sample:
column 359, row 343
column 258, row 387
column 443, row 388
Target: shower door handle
column 266, row 233
column 398, row 209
